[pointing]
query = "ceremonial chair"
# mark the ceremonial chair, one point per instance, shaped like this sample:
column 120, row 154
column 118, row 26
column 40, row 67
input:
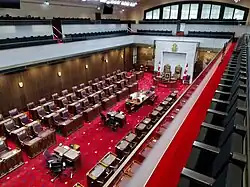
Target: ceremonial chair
column 177, row 73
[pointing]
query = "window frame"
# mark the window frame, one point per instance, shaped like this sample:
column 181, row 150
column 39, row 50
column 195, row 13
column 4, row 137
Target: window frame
column 199, row 14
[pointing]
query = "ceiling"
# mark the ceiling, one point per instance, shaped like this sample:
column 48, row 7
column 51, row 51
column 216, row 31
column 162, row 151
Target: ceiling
column 81, row 3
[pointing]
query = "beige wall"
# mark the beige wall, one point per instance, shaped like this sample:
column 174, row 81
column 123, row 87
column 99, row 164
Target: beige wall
column 137, row 13
column 58, row 11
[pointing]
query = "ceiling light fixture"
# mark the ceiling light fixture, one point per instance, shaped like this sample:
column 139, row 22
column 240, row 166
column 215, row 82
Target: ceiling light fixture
column 46, row 2
column 118, row 2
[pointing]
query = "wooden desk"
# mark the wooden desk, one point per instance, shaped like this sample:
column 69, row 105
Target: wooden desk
column 122, row 149
column 108, row 159
column 73, row 157
column 140, row 130
column 138, row 98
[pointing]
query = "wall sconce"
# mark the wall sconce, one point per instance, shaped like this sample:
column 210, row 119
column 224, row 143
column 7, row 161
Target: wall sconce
column 122, row 56
column 59, row 74
column 20, row 84
column 86, row 66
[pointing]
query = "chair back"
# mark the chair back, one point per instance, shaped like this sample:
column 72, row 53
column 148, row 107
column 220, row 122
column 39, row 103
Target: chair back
column 73, row 97
column 78, row 108
column 9, row 124
column 90, row 82
column 37, row 127
column 13, row 112
column 103, row 78
column 96, row 80
column 1, row 117
column 42, row 101
column 65, row 101
column 22, row 135
column 24, row 119
column 55, row 96
column 74, row 88
column 82, row 85
column 30, row 105
column 3, row 146
column 57, row 117
column 167, row 68
column 65, row 114
column 41, row 111
column 65, row 92
column 102, row 94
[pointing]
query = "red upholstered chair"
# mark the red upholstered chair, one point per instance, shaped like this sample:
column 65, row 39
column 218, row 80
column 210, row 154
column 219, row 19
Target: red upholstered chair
column 42, row 101
column 65, row 92
column 13, row 112
column 55, row 96
column 74, row 89
column 82, row 85
column 30, row 105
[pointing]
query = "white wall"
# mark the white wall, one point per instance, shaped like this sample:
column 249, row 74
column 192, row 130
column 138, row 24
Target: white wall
column 30, row 55
column 12, row 31
column 69, row 29
column 187, row 48
column 238, row 29
column 39, row 9
column 174, row 59
column 204, row 42
column 170, row 27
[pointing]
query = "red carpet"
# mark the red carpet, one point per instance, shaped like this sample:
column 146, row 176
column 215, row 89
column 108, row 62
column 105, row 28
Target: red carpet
column 178, row 152
column 95, row 141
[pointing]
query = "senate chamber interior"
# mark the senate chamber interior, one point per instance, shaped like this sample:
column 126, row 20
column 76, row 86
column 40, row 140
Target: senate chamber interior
column 124, row 93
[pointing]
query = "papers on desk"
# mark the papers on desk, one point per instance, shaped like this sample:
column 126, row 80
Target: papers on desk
column 138, row 96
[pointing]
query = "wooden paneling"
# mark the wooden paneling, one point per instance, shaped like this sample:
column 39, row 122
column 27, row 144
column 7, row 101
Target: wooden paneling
column 43, row 81
column 145, row 55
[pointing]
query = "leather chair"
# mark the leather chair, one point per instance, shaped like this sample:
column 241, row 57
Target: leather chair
column 114, row 73
column 32, row 146
column 74, row 89
column 90, row 82
column 108, row 75
column 30, row 105
column 1, row 117
column 57, row 119
column 81, row 93
column 65, row 115
column 41, row 113
column 9, row 159
column 65, row 102
column 96, row 80
column 55, row 96
column 88, row 89
column 118, row 71
column 103, row 77
column 10, row 126
column 24, row 120
column 82, row 85
column 42, row 101
column 48, row 135
column 13, row 112
column 52, row 107
column 65, row 92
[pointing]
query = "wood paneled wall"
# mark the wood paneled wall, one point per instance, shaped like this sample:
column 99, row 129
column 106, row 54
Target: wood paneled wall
column 43, row 81
column 145, row 55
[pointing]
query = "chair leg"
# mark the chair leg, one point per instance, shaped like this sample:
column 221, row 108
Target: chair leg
column 53, row 180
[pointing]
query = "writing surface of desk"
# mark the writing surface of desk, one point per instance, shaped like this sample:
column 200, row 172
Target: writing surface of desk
column 131, row 137
column 108, row 159
column 95, row 175
column 61, row 150
column 73, row 157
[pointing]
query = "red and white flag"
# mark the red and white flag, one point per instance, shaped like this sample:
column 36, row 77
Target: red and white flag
column 185, row 72
column 159, row 69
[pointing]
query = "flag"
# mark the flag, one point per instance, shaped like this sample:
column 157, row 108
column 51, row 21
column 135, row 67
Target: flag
column 159, row 69
column 185, row 73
